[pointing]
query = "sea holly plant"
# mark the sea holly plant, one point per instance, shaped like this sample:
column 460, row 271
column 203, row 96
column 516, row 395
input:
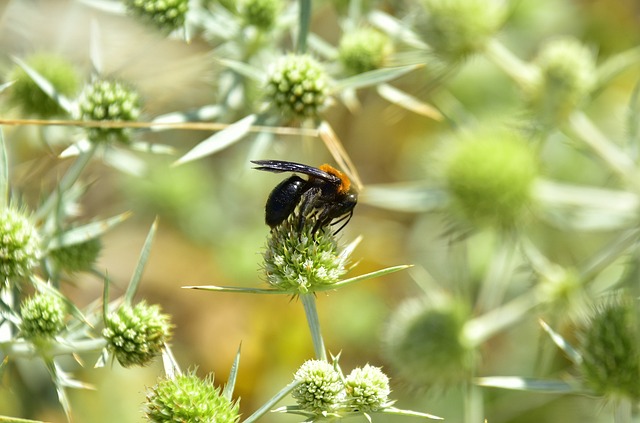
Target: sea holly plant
column 297, row 88
column 40, row 254
column 300, row 260
column 606, row 359
column 323, row 393
column 185, row 397
column 106, row 107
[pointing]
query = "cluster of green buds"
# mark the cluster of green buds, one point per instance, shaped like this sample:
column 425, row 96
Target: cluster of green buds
column 77, row 257
column 425, row 343
column 567, row 76
column 262, row 14
column 457, row 28
column 27, row 95
column 610, row 349
column 42, row 316
column 364, row 49
column 187, row 398
column 136, row 335
column 297, row 86
column 321, row 388
column 490, row 175
column 19, row 245
column 302, row 260
column 166, row 15
column 105, row 100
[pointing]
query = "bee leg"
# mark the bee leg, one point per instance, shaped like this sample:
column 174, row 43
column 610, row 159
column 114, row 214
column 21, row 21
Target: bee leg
column 346, row 217
column 307, row 205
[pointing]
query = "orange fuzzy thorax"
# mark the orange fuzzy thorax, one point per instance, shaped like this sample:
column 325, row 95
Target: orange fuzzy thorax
column 345, row 183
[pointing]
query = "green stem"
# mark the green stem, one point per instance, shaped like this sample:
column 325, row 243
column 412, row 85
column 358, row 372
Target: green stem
column 309, row 303
column 622, row 411
column 473, row 404
column 523, row 73
column 305, row 24
column 29, row 350
column 619, row 161
column 69, row 178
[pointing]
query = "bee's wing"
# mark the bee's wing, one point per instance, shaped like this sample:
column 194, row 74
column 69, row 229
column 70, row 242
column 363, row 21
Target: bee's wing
column 279, row 166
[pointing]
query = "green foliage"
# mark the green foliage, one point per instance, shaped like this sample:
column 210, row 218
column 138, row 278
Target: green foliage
column 27, row 95
column 302, row 260
column 19, row 246
column 297, row 86
column 426, row 344
column 136, row 335
column 262, row 14
column 367, row 388
column 43, row 316
column 109, row 101
column 490, row 176
column 78, row 257
column 187, row 398
column 363, row 50
column 610, row 349
column 320, row 388
column 166, row 15
column 457, row 28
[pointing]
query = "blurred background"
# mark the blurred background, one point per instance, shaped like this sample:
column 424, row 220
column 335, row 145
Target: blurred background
column 211, row 212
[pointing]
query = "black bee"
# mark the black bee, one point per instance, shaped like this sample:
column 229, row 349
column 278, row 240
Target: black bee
column 325, row 196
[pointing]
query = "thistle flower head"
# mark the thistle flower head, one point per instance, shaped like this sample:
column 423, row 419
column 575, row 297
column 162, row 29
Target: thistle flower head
column 42, row 316
column 187, row 398
column 610, row 349
column 166, row 15
column 27, row 95
column 297, row 86
column 567, row 76
column 109, row 101
column 458, row 28
column 320, row 389
column 490, row 175
column 262, row 14
column 77, row 257
column 19, row 245
column 364, row 49
column 425, row 343
column 367, row 388
column 302, row 260
column 135, row 335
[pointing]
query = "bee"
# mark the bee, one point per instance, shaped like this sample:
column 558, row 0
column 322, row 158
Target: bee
column 325, row 196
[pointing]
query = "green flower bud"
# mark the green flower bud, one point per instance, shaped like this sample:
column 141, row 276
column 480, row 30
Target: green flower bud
column 77, row 257
column 27, row 95
column 610, row 349
column 297, row 86
column 567, row 75
column 490, row 175
column 261, row 13
column 136, row 335
column 363, row 50
column 187, row 398
column 458, row 28
column 321, row 388
column 109, row 101
column 166, row 15
column 19, row 245
column 425, row 343
column 42, row 316
column 367, row 389
column 562, row 286
column 302, row 261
